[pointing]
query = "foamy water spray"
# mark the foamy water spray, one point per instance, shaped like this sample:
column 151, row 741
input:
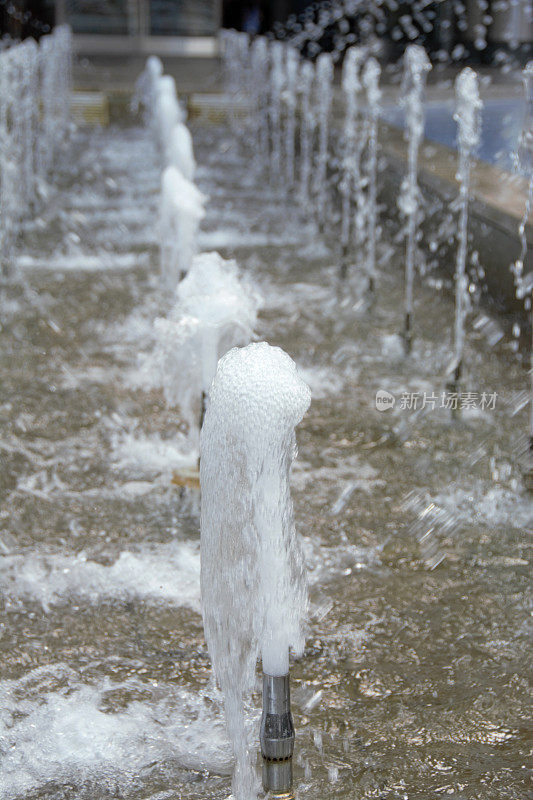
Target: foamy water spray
column 168, row 111
column 371, row 76
column 214, row 312
column 252, row 577
column 324, row 96
column 292, row 64
column 468, row 117
column 181, row 211
column 351, row 178
column 146, row 89
column 276, row 89
column 524, row 283
column 416, row 67
column 259, row 67
column 307, row 129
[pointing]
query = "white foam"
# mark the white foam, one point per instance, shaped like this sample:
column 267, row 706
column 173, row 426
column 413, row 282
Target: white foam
column 392, row 346
column 495, row 507
column 168, row 573
column 322, row 381
column 149, row 454
column 53, row 732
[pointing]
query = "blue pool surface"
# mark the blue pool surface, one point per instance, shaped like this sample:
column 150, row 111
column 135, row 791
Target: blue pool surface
column 501, row 125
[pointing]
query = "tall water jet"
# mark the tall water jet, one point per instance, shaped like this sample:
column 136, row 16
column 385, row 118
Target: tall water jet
column 416, row 67
column 307, row 129
column 182, row 210
column 259, row 67
column 168, row 112
column 290, row 95
column 468, row 107
column 323, row 100
column 524, row 283
column 371, row 76
column 276, row 89
column 253, row 584
column 34, row 119
column 146, row 88
column 235, row 51
column 55, row 76
column 353, row 139
column 179, row 151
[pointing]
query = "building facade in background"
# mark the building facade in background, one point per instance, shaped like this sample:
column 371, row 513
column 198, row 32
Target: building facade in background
column 142, row 26
column 189, row 27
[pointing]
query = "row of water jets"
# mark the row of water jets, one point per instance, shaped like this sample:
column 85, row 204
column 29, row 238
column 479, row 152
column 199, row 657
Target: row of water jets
column 289, row 102
column 246, row 399
column 35, row 82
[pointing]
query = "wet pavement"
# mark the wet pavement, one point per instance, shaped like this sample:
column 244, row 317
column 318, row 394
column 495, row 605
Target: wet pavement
column 417, row 532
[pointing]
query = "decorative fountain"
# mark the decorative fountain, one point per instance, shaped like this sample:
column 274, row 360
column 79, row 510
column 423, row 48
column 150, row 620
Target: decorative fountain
column 252, row 570
column 249, row 400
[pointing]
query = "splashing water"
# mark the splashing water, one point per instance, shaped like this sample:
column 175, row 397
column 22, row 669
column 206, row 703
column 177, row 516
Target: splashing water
column 252, row 571
column 416, row 67
column 353, row 143
column 371, row 76
column 182, row 210
column 468, row 118
column 323, row 100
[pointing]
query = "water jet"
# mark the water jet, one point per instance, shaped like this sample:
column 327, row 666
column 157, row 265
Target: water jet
column 468, row 118
column 416, row 67
column 524, row 283
column 353, row 144
column 253, row 583
column 371, row 76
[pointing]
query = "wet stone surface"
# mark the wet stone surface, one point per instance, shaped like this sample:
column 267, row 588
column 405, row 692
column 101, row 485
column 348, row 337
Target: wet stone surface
column 417, row 531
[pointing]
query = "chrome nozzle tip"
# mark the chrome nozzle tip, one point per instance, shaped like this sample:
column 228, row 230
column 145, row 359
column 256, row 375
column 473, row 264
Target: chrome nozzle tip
column 277, row 736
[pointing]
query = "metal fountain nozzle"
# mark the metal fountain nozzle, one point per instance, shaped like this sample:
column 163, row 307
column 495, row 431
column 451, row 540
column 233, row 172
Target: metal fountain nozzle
column 277, row 737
